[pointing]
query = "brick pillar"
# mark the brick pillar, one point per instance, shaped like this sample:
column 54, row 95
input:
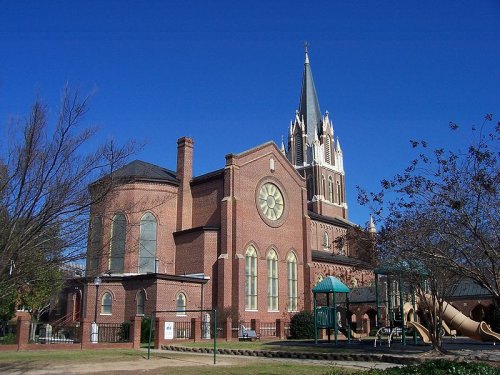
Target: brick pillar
column 23, row 331
column 184, row 174
column 85, row 331
column 196, row 329
column 135, row 331
column 280, row 329
column 255, row 325
column 227, row 329
column 159, row 331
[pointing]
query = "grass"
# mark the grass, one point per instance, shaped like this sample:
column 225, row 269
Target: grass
column 175, row 363
column 70, row 356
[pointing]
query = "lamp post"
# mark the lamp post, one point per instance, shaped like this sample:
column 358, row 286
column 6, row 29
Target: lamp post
column 97, row 283
column 94, row 333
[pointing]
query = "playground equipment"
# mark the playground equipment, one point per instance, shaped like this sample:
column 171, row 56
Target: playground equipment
column 402, row 314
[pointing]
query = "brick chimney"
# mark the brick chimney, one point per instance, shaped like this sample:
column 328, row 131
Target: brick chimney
column 184, row 174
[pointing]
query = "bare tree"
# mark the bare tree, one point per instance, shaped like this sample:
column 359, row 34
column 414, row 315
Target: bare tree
column 44, row 199
column 455, row 194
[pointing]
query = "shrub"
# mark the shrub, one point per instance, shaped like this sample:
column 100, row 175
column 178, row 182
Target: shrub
column 8, row 339
column 302, row 325
column 145, row 325
column 439, row 366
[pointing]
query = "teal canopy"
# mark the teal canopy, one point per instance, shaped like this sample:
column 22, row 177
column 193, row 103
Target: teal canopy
column 331, row 284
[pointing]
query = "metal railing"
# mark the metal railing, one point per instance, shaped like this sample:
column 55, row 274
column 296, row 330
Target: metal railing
column 114, row 332
column 182, row 330
column 59, row 335
column 268, row 329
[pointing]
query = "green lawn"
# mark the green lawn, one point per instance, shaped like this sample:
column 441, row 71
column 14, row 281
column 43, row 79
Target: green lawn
column 25, row 361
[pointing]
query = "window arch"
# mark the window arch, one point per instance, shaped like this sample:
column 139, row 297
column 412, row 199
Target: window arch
column 323, row 186
column 328, row 150
column 147, row 243
column 298, row 149
column 291, row 265
column 272, row 281
column 326, row 241
column 106, row 303
column 310, row 187
column 339, row 193
column 117, row 246
column 181, row 302
column 140, row 302
column 251, row 278
column 330, row 189
column 95, row 242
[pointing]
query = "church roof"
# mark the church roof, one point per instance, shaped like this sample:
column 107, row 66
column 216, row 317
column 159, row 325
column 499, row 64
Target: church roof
column 343, row 223
column 139, row 170
column 309, row 105
column 323, row 256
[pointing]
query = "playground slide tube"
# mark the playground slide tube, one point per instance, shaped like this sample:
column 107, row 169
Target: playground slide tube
column 470, row 328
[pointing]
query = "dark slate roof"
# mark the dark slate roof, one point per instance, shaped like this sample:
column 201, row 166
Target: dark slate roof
column 322, row 256
column 331, row 284
column 331, row 220
column 139, row 170
column 309, row 105
column 468, row 288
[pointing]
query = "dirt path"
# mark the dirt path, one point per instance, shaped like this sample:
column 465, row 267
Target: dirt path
column 161, row 365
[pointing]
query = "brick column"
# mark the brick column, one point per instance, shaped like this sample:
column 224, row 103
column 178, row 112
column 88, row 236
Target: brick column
column 135, row 331
column 280, row 329
column 255, row 325
column 227, row 329
column 85, row 330
column 159, row 331
column 23, row 331
column 196, row 329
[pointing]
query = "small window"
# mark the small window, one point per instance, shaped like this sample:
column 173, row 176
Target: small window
column 141, row 298
column 326, row 241
column 106, row 303
column 181, row 304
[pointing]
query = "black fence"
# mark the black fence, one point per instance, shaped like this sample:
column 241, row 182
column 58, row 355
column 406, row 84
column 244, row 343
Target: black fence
column 268, row 329
column 46, row 334
column 114, row 332
column 8, row 332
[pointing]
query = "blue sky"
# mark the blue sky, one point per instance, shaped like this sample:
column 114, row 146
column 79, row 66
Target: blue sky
column 228, row 74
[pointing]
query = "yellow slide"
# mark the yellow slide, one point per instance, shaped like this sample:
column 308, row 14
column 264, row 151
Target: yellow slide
column 422, row 331
column 470, row 328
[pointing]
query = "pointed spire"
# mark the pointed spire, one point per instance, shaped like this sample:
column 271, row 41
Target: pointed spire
column 371, row 226
column 282, row 146
column 309, row 105
column 338, row 149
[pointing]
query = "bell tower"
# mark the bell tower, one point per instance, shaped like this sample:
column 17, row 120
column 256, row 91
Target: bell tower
column 314, row 152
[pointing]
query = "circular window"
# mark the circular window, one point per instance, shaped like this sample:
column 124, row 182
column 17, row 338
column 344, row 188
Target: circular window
column 270, row 200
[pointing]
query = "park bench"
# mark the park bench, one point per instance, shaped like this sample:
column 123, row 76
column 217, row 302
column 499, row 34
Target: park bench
column 248, row 334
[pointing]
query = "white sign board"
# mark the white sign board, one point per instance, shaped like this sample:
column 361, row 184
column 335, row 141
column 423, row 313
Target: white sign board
column 169, row 331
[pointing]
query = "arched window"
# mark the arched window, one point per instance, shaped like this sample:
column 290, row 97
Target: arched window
column 326, row 241
column 117, row 243
column 251, row 279
column 323, row 186
column 298, row 149
column 330, row 189
column 147, row 244
column 310, row 188
column 95, row 242
column 291, row 265
column 339, row 193
column 328, row 150
column 181, row 303
column 106, row 303
column 140, row 300
column 272, row 281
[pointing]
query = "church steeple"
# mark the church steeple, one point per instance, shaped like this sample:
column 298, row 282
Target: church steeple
column 309, row 105
column 314, row 153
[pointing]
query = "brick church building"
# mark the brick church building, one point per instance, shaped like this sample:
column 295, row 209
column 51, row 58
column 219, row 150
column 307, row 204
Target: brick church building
column 253, row 236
